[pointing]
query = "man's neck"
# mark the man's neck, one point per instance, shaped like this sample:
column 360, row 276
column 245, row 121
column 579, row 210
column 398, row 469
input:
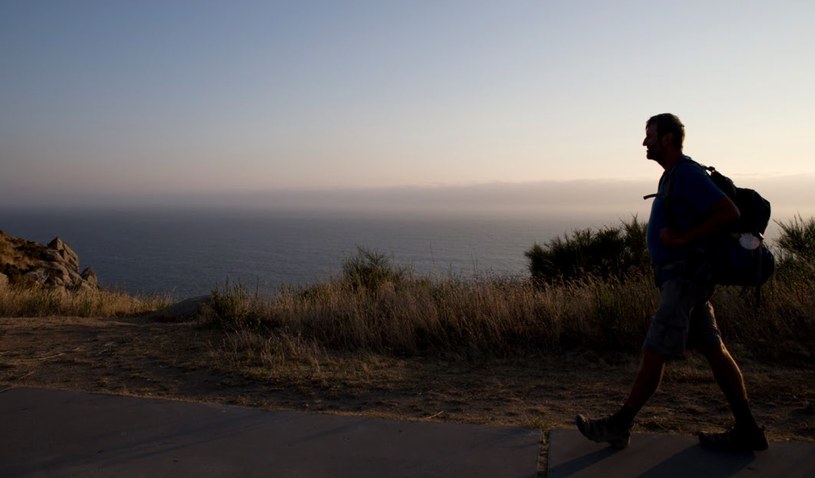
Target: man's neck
column 671, row 159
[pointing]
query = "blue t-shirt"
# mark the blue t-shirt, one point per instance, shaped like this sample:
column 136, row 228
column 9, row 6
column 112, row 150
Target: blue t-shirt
column 692, row 193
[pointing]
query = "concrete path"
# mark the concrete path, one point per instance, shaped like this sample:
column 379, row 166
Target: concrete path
column 673, row 456
column 61, row 433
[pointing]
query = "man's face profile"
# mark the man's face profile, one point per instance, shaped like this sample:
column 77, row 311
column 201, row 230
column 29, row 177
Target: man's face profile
column 653, row 143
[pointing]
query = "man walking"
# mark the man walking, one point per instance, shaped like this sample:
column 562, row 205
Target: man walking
column 686, row 214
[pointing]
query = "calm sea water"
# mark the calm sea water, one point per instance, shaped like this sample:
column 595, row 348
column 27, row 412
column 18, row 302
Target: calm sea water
column 190, row 252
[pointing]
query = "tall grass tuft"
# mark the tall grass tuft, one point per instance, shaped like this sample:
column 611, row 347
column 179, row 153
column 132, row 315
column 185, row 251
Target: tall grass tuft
column 795, row 249
column 797, row 238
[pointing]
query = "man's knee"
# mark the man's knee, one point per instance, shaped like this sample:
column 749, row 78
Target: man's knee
column 713, row 350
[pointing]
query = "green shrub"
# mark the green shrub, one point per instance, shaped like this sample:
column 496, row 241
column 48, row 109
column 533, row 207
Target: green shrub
column 611, row 252
column 370, row 270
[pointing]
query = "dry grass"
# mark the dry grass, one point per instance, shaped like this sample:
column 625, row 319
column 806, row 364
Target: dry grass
column 36, row 302
column 781, row 327
column 377, row 308
column 451, row 318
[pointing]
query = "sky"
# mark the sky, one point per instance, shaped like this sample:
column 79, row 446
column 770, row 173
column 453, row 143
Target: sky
column 115, row 100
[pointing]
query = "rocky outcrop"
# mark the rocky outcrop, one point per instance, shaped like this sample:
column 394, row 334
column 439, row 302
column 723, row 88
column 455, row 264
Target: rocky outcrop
column 30, row 264
column 64, row 252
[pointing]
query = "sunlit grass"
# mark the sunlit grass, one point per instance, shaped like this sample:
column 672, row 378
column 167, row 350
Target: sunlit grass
column 36, row 302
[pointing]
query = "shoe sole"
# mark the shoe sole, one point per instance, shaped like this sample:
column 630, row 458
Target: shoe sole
column 618, row 443
column 736, row 447
column 714, row 444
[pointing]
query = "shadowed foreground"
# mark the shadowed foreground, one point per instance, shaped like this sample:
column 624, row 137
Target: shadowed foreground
column 62, row 433
column 673, row 456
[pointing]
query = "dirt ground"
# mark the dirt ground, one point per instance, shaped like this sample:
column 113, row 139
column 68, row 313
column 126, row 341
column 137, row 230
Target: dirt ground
column 138, row 357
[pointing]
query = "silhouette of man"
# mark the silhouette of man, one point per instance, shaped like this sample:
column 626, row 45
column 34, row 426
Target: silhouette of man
column 685, row 215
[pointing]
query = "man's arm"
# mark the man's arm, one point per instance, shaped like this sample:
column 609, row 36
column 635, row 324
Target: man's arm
column 722, row 212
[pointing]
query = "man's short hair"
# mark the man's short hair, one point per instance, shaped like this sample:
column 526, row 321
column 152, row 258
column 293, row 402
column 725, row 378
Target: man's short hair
column 667, row 123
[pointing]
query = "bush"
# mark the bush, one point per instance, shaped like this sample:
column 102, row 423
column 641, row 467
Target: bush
column 611, row 252
column 370, row 270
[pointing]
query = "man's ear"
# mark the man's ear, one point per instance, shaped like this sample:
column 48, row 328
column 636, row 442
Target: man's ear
column 666, row 139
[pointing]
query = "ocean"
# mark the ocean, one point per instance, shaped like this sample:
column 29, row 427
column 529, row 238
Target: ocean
column 189, row 252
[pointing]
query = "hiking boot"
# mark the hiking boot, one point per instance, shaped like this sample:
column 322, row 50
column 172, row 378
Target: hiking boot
column 735, row 439
column 603, row 430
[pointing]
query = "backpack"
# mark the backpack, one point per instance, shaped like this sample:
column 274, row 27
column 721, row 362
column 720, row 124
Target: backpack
column 738, row 255
column 755, row 210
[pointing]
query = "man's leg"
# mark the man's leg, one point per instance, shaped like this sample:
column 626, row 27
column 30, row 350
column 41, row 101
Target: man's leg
column 746, row 434
column 667, row 337
column 726, row 372
column 647, row 381
column 616, row 429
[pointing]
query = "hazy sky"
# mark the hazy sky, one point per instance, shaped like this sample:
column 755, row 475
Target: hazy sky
column 153, row 97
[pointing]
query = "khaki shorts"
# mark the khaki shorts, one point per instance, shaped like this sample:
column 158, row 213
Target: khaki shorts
column 683, row 320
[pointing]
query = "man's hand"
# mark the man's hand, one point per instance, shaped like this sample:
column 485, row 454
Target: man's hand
column 672, row 238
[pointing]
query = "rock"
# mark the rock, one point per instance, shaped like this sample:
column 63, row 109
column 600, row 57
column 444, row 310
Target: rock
column 89, row 276
column 52, row 255
column 29, row 264
column 36, row 277
column 65, row 251
column 181, row 311
column 58, row 275
column 75, row 280
column 3, row 281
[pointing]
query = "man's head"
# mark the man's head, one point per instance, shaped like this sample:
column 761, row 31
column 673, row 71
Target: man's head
column 664, row 135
